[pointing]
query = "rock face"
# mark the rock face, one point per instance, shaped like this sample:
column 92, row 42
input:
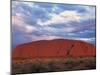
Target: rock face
column 54, row 48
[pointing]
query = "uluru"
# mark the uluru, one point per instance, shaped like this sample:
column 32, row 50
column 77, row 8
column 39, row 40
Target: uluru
column 54, row 48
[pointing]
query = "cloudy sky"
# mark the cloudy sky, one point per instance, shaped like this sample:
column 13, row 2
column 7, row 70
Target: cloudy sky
column 33, row 21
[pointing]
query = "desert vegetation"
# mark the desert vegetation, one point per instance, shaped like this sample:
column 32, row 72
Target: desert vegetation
column 40, row 65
